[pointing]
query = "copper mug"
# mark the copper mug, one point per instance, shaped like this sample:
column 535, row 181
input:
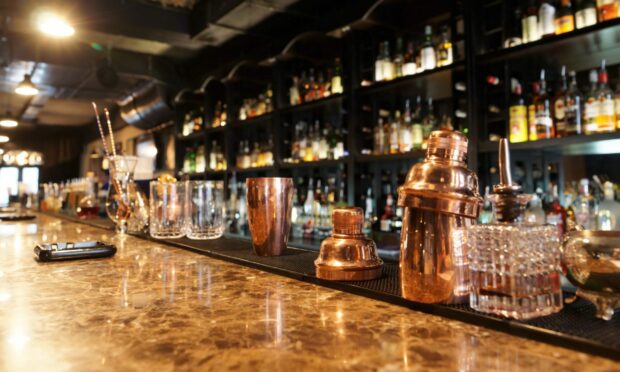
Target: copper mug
column 269, row 202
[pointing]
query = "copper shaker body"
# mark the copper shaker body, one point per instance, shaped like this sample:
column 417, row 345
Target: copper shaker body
column 348, row 254
column 269, row 204
column 440, row 196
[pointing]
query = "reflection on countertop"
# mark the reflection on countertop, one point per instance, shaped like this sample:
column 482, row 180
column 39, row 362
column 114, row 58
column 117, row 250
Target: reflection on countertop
column 155, row 307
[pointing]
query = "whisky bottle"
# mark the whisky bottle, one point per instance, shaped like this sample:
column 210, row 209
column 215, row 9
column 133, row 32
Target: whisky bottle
column 417, row 133
column 379, row 64
column 559, row 105
column 406, row 143
column 409, row 60
column 336, row 84
column 429, row 122
column 544, row 121
column 590, row 111
column 398, row 60
column 444, row 49
column 293, row 92
column 518, row 114
column 606, row 119
column 607, row 9
column 585, row 15
column 395, row 133
column 564, row 20
column 531, row 111
column 427, row 54
column 572, row 110
column 546, row 18
column 529, row 22
column 387, row 65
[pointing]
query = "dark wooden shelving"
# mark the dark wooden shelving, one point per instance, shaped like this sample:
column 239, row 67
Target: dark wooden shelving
column 211, row 130
column 250, row 121
column 192, row 176
column 418, row 80
column 249, row 170
column 191, row 137
column 413, row 155
column 314, row 104
column 318, row 163
column 600, row 143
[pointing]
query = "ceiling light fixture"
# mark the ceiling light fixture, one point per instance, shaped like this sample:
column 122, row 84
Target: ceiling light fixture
column 7, row 121
column 4, row 139
column 26, row 87
column 53, row 25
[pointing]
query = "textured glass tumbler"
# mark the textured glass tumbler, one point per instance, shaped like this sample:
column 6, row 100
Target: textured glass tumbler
column 205, row 209
column 167, row 210
column 515, row 269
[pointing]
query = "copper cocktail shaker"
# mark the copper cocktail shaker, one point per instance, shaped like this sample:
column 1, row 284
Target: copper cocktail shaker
column 348, row 254
column 269, row 202
column 440, row 196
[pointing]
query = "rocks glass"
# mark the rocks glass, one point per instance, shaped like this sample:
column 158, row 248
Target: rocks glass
column 167, row 209
column 205, row 209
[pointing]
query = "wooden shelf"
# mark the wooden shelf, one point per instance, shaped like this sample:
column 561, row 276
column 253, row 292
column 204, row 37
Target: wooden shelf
column 418, row 80
column 336, row 98
column 248, row 170
column 413, row 155
column 212, row 130
column 318, row 163
column 595, row 144
column 191, row 137
column 249, row 121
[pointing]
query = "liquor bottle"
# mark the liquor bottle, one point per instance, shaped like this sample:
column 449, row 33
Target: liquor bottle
column 336, row 84
column 546, row 18
column 556, row 214
column 269, row 153
column 534, row 213
column 429, row 122
column 529, row 22
column 385, row 222
column 409, row 60
column 186, row 160
column 427, row 54
column 316, row 141
column 323, row 145
column 379, row 64
column 585, row 14
column 213, row 156
column 572, row 110
column 246, row 160
column 198, row 117
column 388, row 65
column 515, row 33
column 387, row 134
column 187, row 125
column 518, row 114
column 254, row 155
column 308, row 211
column 564, row 20
column 379, row 139
column 531, row 111
column 417, row 133
column 585, row 207
column 201, row 160
column 224, row 115
column 606, row 118
column 608, row 216
column 559, row 105
column 370, row 210
column 398, row 60
column 406, row 142
column 321, row 90
column 217, row 111
column 544, row 121
column 337, row 144
column 192, row 161
column 591, row 107
column 293, row 92
column 444, row 49
column 395, row 133
column 607, row 9
column 304, row 86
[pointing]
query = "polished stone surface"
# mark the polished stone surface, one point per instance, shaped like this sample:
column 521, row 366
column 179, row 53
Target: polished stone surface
column 155, row 307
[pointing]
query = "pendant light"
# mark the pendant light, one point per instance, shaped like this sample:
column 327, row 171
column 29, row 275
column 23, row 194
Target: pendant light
column 7, row 121
column 26, row 87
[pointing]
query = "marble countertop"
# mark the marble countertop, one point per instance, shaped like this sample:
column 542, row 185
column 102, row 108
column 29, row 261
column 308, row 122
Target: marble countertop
column 156, row 307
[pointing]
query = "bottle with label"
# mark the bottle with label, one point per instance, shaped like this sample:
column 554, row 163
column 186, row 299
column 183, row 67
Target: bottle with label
column 607, row 9
column 379, row 138
column 336, row 84
column 444, row 49
column 559, row 105
column 585, row 14
column 417, row 133
column 518, row 114
column 429, row 122
column 585, row 206
column 556, row 214
column 427, row 54
column 398, row 60
column 590, row 109
column 606, row 119
column 608, row 216
column 379, row 64
column 201, row 160
column 187, row 161
column 546, row 18
column 388, row 65
column 564, row 20
column 395, row 133
column 544, row 120
column 531, row 111
column 515, row 33
column 385, row 223
column 572, row 110
column 409, row 60
column 529, row 22
column 293, row 92
column 406, row 143
column 534, row 213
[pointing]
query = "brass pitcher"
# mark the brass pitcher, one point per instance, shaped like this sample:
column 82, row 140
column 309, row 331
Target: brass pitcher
column 440, row 196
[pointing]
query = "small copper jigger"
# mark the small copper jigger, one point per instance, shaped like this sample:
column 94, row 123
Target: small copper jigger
column 270, row 202
column 348, row 254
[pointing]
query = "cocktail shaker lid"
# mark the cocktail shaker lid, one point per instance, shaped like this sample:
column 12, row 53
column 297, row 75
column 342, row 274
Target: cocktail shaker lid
column 348, row 220
column 442, row 182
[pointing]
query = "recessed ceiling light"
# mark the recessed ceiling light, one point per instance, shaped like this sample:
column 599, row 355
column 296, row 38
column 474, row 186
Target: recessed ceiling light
column 4, row 139
column 53, row 25
column 26, row 87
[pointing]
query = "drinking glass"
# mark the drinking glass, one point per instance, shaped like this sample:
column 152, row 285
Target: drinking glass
column 167, row 210
column 205, row 209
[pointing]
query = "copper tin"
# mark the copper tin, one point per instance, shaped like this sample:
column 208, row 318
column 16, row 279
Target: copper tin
column 348, row 254
column 440, row 196
column 269, row 202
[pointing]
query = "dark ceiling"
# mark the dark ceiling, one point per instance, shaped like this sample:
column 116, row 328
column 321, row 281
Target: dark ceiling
column 176, row 42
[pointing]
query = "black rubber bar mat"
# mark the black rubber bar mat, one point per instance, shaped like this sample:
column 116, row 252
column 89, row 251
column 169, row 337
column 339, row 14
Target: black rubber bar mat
column 575, row 327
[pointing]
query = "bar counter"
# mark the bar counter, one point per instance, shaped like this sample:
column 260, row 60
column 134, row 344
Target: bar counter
column 157, row 307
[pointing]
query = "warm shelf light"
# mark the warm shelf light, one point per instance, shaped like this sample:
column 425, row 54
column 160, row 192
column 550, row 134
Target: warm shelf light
column 26, row 87
column 53, row 25
column 8, row 122
column 4, row 139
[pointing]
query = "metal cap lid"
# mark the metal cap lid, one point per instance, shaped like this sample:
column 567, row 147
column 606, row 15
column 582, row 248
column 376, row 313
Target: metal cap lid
column 348, row 220
column 442, row 182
